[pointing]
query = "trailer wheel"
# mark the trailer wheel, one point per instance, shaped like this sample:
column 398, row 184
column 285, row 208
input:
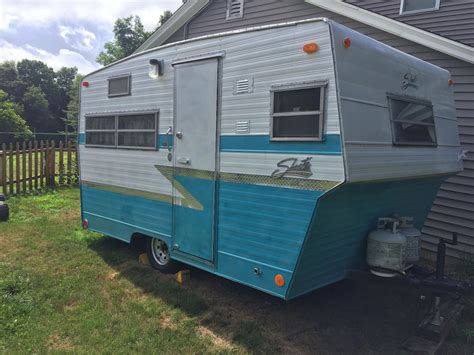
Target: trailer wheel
column 4, row 212
column 158, row 254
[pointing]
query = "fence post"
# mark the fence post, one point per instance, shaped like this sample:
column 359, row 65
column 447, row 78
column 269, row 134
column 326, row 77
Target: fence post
column 30, row 166
column 69, row 162
column 61, row 163
column 23, row 167
column 36, row 163
column 3, row 164
column 10, row 173
column 17, row 170
column 42, row 163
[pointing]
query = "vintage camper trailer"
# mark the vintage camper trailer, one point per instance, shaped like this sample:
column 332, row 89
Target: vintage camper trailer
column 264, row 155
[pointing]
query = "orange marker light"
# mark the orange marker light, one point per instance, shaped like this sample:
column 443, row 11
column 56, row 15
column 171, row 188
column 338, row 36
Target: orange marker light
column 347, row 42
column 311, row 48
column 279, row 280
column 450, row 82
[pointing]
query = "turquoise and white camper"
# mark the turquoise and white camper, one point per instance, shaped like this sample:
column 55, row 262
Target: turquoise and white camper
column 264, row 155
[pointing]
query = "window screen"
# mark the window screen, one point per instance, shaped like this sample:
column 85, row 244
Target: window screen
column 137, row 131
column 418, row 5
column 100, row 130
column 298, row 114
column 235, row 9
column 412, row 122
column 119, row 86
column 122, row 131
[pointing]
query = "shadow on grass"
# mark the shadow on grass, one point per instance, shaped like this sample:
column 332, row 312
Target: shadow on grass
column 360, row 315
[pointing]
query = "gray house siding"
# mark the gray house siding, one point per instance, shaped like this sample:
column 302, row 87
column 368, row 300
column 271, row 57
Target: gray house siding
column 453, row 20
column 453, row 209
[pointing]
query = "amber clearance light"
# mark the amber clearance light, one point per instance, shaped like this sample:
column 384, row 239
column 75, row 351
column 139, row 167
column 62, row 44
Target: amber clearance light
column 347, row 42
column 311, row 48
column 279, row 280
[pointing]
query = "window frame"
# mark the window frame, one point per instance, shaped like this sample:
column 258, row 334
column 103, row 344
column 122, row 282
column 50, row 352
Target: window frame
column 228, row 16
column 415, row 100
column 402, row 5
column 128, row 93
column 116, row 130
column 322, row 85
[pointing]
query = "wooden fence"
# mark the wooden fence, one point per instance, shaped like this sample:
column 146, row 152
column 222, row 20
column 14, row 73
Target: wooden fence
column 33, row 166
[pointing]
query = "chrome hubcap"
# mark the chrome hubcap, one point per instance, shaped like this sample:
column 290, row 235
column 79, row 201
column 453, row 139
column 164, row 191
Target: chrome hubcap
column 160, row 251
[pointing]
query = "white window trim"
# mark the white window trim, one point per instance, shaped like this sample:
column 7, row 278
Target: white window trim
column 116, row 130
column 235, row 17
column 402, row 5
column 321, row 112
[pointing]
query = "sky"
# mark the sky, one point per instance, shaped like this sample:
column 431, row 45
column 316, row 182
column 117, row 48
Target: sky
column 68, row 32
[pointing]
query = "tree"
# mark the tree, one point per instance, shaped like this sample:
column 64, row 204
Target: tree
column 10, row 82
column 37, row 113
column 72, row 112
column 11, row 121
column 165, row 17
column 129, row 34
column 65, row 78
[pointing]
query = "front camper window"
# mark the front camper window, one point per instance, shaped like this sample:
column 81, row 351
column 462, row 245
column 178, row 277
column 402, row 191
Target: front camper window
column 136, row 130
column 412, row 121
column 298, row 113
column 119, row 86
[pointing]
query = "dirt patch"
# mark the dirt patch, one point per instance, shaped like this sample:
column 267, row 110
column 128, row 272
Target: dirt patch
column 218, row 341
column 69, row 305
column 167, row 323
column 56, row 342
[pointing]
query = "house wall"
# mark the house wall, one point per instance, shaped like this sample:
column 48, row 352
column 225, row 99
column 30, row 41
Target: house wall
column 453, row 20
column 453, row 209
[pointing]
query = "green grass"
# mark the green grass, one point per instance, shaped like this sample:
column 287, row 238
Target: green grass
column 65, row 289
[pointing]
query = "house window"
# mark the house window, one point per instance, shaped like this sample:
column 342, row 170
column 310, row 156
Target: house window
column 119, row 86
column 298, row 112
column 235, row 9
column 413, row 6
column 412, row 121
column 134, row 131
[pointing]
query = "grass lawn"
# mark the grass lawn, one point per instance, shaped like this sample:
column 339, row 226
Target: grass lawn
column 63, row 289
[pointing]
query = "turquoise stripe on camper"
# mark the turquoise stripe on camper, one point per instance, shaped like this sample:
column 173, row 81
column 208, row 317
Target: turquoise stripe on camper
column 331, row 145
column 82, row 138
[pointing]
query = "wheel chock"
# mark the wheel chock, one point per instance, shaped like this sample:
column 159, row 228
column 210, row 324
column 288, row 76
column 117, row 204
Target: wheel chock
column 143, row 259
column 183, row 276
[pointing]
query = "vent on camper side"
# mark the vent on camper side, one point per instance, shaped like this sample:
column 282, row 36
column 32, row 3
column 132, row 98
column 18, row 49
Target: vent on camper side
column 235, row 9
column 242, row 127
column 243, row 86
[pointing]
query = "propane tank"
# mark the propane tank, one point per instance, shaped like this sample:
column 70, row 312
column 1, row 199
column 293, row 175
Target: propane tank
column 413, row 237
column 386, row 248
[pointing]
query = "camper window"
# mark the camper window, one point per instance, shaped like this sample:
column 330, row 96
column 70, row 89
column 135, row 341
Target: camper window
column 412, row 121
column 413, row 6
column 137, row 131
column 119, row 86
column 297, row 113
column 100, row 130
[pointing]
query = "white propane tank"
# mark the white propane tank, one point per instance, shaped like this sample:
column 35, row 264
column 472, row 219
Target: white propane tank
column 413, row 236
column 386, row 249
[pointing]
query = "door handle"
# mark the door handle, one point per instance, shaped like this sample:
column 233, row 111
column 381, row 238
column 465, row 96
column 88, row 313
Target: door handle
column 179, row 134
column 184, row 160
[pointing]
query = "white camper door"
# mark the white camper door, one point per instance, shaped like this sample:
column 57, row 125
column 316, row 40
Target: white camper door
column 195, row 132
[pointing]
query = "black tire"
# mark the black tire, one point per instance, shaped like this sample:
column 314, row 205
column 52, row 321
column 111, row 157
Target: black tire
column 4, row 212
column 2, row 198
column 159, row 257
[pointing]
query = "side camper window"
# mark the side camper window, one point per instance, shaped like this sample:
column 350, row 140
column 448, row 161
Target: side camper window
column 297, row 112
column 412, row 121
column 137, row 131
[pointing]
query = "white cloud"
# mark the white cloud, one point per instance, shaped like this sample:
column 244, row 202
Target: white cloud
column 77, row 37
column 102, row 12
column 64, row 57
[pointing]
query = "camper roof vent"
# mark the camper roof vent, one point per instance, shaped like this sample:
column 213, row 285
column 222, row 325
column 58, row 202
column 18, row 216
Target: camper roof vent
column 235, row 9
column 243, row 86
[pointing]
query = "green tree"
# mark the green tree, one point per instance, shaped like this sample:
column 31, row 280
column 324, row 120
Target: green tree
column 36, row 111
column 129, row 34
column 10, row 82
column 65, row 78
column 165, row 17
column 72, row 112
column 11, row 121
